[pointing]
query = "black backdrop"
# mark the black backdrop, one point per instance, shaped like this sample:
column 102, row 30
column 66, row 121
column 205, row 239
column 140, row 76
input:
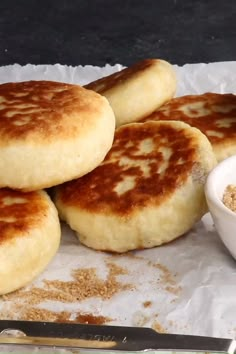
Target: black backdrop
column 96, row 32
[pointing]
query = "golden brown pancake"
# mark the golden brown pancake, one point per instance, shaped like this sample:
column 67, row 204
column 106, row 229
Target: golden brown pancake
column 214, row 114
column 148, row 190
column 29, row 236
column 136, row 91
column 51, row 132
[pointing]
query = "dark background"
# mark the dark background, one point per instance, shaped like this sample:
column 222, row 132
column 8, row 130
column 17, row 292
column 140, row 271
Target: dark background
column 96, row 32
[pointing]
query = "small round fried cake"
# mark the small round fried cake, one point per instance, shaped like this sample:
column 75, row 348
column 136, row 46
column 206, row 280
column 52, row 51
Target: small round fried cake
column 214, row 114
column 29, row 236
column 148, row 190
column 51, row 132
column 137, row 90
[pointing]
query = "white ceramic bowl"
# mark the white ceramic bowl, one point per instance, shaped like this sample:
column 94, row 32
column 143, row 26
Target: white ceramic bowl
column 224, row 218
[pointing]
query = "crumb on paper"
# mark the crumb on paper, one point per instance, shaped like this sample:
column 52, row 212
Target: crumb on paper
column 40, row 314
column 173, row 301
column 147, row 304
column 88, row 318
column 85, row 284
column 167, row 279
column 158, row 327
column 229, row 197
column 174, row 290
column 140, row 319
column 132, row 255
column 166, row 275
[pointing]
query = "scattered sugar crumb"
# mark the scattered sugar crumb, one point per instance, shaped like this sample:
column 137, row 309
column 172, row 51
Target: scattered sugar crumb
column 158, row 327
column 166, row 278
column 40, row 314
column 140, row 319
column 173, row 290
column 85, row 284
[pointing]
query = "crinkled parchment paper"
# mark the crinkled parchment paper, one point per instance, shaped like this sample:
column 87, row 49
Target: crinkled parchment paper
column 187, row 286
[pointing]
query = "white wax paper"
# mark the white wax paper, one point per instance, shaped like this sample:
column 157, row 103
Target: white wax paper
column 199, row 294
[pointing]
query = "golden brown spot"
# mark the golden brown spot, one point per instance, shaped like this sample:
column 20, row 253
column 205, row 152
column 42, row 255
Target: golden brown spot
column 19, row 212
column 133, row 176
column 214, row 114
column 107, row 82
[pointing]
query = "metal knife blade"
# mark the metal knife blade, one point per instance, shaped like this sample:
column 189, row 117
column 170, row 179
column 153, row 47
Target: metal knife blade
column 113, row 338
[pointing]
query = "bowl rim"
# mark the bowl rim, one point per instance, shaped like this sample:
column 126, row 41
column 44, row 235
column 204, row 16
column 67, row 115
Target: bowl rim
column 210, row 189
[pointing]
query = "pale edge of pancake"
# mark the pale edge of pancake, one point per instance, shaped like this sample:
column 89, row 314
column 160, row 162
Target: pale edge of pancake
column 23, row 258
column 151, row 226
column 142, row 93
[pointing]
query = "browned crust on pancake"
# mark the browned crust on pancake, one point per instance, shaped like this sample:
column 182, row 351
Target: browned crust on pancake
column 217, row 107
column 44, row 109
column 19, row 213
column 108, row 82
column 95, row 191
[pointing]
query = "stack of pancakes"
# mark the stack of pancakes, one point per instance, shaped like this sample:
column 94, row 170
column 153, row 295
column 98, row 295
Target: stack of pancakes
column 127, row 160
column 50, row 133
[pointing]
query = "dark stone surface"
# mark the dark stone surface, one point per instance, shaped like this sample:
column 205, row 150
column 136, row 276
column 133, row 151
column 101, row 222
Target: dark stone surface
column 95, row 32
